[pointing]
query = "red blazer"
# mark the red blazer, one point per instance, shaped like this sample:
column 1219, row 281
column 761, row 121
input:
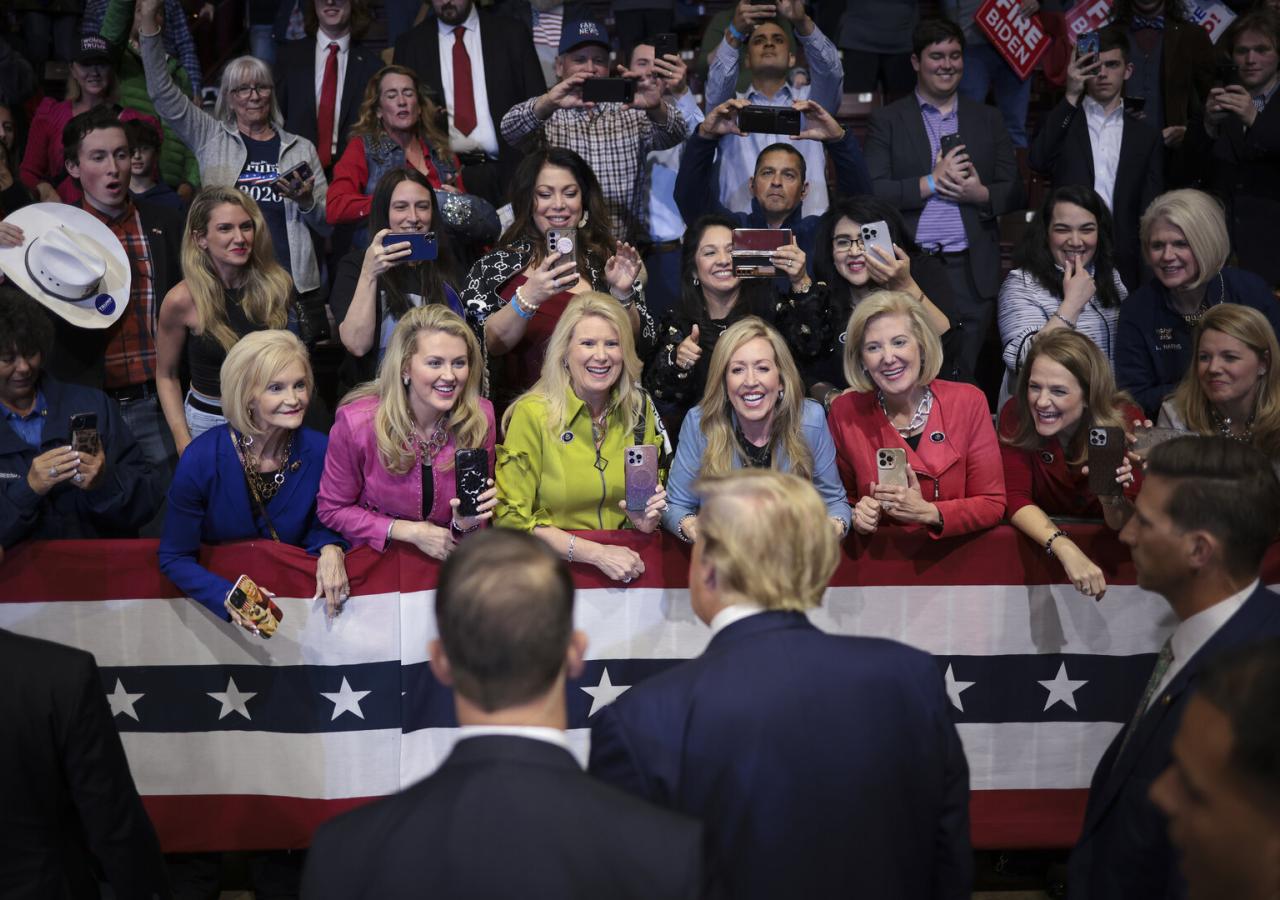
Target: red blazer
column 958, row 463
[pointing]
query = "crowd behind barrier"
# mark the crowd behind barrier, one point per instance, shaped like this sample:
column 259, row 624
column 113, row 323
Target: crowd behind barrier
column 238, row 743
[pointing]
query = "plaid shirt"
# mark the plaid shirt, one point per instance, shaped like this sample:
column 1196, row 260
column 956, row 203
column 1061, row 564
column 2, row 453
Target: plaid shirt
column 614, row 141
column 177, row 36
column 130, row 356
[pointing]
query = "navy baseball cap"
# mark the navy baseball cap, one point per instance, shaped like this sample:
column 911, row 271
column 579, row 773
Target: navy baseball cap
column 93, row 50
column 577, row 32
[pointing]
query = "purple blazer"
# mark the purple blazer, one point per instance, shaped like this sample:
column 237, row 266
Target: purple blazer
column 359, row 498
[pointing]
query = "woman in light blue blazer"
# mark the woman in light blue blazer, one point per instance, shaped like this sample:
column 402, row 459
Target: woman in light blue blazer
column 753, row 414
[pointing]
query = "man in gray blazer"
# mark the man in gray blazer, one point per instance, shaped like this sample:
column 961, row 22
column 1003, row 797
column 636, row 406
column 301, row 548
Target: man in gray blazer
column 952, row 199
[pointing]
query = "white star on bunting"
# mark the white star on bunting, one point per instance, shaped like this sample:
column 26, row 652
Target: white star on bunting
column 232, row 700
column 956, row 688
column 604, row 693
column 346, row 700
column 122, row 702
column 1062, row 688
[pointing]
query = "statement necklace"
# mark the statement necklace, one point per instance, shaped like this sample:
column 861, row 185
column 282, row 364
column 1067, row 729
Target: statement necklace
column 430, row 448
column 1193, row 319
column 265, row 485
column 1223, row 425
column 918, row 418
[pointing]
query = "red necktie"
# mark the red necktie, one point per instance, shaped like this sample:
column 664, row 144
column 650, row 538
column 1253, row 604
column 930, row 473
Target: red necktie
column 464, row 97
column 328, row 100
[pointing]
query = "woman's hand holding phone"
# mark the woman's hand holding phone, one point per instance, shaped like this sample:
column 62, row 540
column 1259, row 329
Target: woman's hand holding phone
column 866, row 514
column 378, row 260
column 647, row 520
column 484, row 509
column 547, row 280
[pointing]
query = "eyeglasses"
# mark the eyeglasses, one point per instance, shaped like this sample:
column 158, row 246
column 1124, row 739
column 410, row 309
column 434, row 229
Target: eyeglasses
column 845, row 244
column 243, row 92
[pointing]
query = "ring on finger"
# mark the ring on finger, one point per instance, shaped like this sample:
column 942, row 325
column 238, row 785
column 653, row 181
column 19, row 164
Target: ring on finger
column 53, row 472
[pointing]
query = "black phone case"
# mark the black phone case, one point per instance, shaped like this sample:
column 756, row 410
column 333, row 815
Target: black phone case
column 769, row 120
column 948, row 142
column 608, row 90
column 1106, row 453
column 664, row 44
column 472, row 475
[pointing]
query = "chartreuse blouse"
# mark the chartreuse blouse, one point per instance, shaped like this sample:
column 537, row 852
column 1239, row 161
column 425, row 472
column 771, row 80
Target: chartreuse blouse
column 557, row 479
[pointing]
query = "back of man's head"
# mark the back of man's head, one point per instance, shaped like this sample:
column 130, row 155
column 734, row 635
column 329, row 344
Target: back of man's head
column 504, row 610
column 1245, row 686
column 769, row 538
column 1226, row 488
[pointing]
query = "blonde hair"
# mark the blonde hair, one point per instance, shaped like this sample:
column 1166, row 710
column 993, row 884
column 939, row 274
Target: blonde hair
column 393, row 425
column 249, row 367
column 788, row 412
column 1252, row 329
column 886, row 303
column 1202, row 222
column 1104, row 402
column 113, row 85
column 369, row 125
column 768, row 536
column 240, row 71
column 626, row 400
column 267, row 286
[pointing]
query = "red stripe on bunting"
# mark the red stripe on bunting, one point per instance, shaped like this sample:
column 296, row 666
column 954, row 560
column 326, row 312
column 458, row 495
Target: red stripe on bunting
column 1027, row 819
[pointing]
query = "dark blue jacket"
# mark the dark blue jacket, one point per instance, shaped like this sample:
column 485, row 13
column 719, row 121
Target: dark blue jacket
column 1124, row 851
column 696, row 190
column 821, row 766
column 127, row 497
column 209, row 503
column 1154, row 343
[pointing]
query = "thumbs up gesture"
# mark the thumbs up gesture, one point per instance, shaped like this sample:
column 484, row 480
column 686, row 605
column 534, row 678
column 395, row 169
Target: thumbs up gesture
column 688, row 352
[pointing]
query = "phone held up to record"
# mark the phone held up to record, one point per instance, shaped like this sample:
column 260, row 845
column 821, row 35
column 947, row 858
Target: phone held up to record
column 85, row 439
column 641, row 473
column 1106, row 454
column 472, row 469
column 753, row 250
column 423, row 247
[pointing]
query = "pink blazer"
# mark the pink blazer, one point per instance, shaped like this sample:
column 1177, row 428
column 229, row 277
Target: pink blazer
column 958, row 462
column 359, row 498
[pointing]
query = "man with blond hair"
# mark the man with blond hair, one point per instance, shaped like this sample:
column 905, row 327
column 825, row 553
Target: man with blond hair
column 821, row 766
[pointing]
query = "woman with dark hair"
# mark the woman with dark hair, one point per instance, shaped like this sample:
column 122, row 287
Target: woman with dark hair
column 847, row 273
column 712, row 297
column 515, row 294
column 1065, row 276
column 377, row 285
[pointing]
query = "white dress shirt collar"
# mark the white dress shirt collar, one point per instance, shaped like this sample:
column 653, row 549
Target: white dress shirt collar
column 734, row 613
column 533, row 732
column 323, row 41
column 1191, row 635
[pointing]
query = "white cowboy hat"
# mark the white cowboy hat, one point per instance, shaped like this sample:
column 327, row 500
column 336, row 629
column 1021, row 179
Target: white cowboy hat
column 70, row 262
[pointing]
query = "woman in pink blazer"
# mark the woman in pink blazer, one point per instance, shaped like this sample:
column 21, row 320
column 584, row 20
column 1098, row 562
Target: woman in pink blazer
column 955, row 480
column 389, row 471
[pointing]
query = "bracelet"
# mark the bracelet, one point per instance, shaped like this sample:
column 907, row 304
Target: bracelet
column 523, row 310
column 459, row 530
column 737, row 35
column 573, row 539
column 1048, row 545
column 933, row 188
column 680, row 528
column 830, row 397
column 1063, row 319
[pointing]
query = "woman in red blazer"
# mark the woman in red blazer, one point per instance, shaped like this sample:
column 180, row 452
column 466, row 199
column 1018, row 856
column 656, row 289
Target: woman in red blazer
column 955, row 484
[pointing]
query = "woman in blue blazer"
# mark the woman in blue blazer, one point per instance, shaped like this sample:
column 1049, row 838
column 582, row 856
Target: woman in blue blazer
column 753, row 413
column 256, row 477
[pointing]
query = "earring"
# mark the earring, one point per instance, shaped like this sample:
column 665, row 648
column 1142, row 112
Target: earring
column 781, row 393
column 696, row 282
column 406, row 380
column 586, row 215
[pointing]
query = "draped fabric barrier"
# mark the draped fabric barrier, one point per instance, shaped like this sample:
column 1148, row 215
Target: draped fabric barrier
column 240, row 743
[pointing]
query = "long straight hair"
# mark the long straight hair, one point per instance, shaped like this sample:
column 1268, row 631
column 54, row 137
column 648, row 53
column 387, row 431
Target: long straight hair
column 427, row 278
column 1033, row 257
column 788, row 412
column 862, row 209
column 267, row 286
column 755, row 295
column 393, row 425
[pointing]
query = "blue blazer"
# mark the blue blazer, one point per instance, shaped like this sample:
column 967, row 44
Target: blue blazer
column 209, row 503
column 1124, row 850
column 821, row 766
column 682, row 501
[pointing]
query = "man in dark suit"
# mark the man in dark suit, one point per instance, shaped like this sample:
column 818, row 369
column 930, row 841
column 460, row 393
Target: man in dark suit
column 302, row 67
column 502, row 59
column 1125, row 164
column 821, row 766
column 952, row 200
column 1201, row 524
column 509, row 813
column 69, row 808
column 1240, row 143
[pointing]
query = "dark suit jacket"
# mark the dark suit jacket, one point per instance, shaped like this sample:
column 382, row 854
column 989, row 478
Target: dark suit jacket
column 512, row 73
column 296, row 88
column 506, row 817
column 898, row 156
column 1124, row 850
column 821, row 766
column 69, row 800
column 77, row 355
column 1063, row 152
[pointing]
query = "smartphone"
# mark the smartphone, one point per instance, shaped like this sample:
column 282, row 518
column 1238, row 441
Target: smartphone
column 1106, row 453
column 298, row 174
column 83, row 428
column 471, row 470
column 753, row 250
column 1146, row 438
column 423, row 246
column 665, row 44
column 1226, row 74
column 247, row 600
column 891, row 466
column 770, row 120
column 608, row 90
column 949, row 142
column 641, row 473
column 1088, row 44
column 876, row 234
column 1135, row 106
column 565, row 242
